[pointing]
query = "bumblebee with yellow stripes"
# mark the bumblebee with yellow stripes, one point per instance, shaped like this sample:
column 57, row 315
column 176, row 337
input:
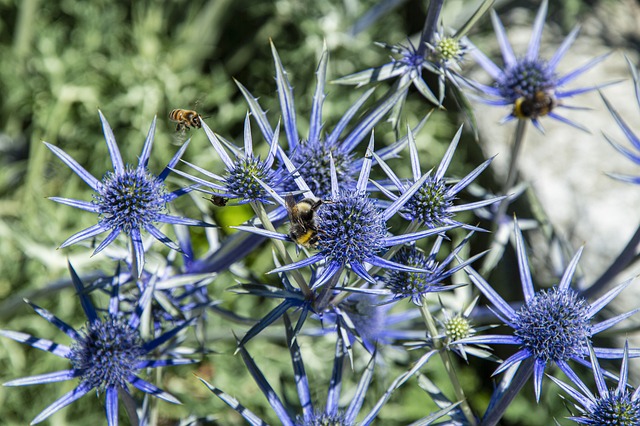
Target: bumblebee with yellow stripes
column 302, row 228
column 539, row 105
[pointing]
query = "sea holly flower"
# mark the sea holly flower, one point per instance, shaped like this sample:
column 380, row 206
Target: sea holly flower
column 630, row 135
column 432, row 277
column 243, row 174
column 619, row 406
column 453, row 328
column 106, row 354
column 128, row 199
column 311, row 415
column 553, row 326
column 435, row 53
column 352, row 229
column 310, row 153
column 432, row 204
column 529, row 84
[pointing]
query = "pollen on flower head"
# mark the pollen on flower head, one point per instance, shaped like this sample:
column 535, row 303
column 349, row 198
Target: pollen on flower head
column 449, row 49
column 412, row 284
column 313, row 160
column 525, row 79
column 616, row 409
column 430, row 204
column 554, row 325
column 350, row 228
column 107, row 353
column 241, row 179
column 130, row 200
column 457, row 327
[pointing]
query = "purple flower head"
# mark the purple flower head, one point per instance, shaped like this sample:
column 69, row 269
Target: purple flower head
column 106, row 354
column 530, row 85
column 619, row 406
column 128, row 199
column 552, row 326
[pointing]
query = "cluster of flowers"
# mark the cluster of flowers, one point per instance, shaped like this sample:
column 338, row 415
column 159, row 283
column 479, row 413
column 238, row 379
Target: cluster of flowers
column 313, row 197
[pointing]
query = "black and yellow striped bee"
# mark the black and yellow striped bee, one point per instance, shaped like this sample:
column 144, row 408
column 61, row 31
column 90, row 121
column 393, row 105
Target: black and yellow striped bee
column 186, row 119
column 302, row 228
column 539, row 105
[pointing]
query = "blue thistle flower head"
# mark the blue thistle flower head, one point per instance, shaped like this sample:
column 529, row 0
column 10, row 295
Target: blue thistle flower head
column 312, row 159
column 106, row 354
column 128, row 199
column 432, row 275
column 619, row 406
column 310, row 153
column 432, row 204
column 351, row 228
column 553, row 326
column 529, row 84
column 243, row 173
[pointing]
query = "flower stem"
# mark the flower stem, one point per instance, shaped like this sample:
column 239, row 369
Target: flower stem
column 513, row 168
column 262, row 215
column 445, row 356
column 430, row 25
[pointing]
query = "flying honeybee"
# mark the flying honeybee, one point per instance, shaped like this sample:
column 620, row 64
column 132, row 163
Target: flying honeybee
column 539, row 105
column 303, row 229
column 186, row 119
column 219, row 201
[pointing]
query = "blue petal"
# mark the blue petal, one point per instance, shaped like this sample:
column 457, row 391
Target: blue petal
column 332, row 138
column 266, row 388
column 315, row 123
column 85, row 301
column 228, row 162
column 112, row 145
column 300, row 376
column 43, row 344
column 151, row 389
column 84, row 205
column 143, row 161
column 75, row 166
column 508, row 57
column 538, row 374
column 335, row 385
column 58, row 376
column 165, row 172
column 111, row 405
column 564, row 47
column 285, row 96
column 82, row 389
column 257, row 112
column 536, row 35
column 251, row 418
column 361, row 391
column 90, row 232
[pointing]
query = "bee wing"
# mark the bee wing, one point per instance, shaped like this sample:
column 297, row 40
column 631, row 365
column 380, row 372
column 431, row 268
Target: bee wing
column 292, row 208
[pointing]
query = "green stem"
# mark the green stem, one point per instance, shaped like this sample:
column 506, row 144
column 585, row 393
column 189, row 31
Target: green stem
column 445, row 356
column 262, row 215
column 513, row 167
